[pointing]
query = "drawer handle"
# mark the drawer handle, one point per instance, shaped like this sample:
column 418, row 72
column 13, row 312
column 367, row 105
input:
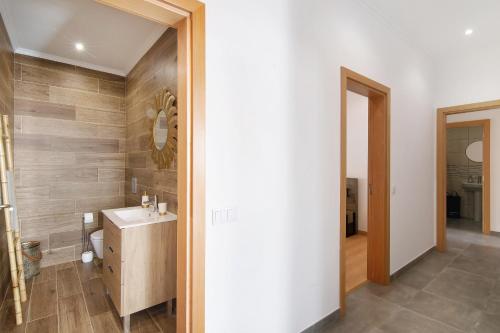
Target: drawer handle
column 110, row 269
column 111, row 249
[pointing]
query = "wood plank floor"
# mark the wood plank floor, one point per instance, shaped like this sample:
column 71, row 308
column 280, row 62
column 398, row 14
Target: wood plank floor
column 71, row 297
column 355, row 260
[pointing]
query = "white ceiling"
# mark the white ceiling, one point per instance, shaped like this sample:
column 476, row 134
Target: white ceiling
column 438, row 26
column 114, row 40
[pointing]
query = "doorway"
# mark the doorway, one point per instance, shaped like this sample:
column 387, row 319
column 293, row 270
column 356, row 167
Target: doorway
column 468, row 175
column 188, row 18
column 463, row 112
column 377, row 255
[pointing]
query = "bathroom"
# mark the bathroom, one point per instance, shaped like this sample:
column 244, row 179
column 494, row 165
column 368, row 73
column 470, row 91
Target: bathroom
column 93, row 119
column 465, row 175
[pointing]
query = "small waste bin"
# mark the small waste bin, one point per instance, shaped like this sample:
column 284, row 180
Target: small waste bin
column 453, row 205
column 31, row 258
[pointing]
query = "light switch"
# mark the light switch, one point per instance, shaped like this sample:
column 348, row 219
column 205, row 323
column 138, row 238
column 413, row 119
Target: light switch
column 224, row 216
column 232, row 215
column 216, row 216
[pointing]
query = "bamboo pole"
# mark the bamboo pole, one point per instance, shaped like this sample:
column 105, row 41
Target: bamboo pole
column 10, row 240
column 17, row 230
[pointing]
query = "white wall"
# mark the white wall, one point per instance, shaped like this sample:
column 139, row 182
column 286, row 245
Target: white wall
column 273, row 147
column 469, row 77
column 357, row 151
column 494, row 116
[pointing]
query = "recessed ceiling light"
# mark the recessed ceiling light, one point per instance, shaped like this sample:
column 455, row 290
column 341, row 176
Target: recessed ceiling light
column 468, row 32
column 79, row 47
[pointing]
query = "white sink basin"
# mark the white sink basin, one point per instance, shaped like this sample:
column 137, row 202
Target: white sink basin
column 472, row 186
column 136, row 216
column 136, row 213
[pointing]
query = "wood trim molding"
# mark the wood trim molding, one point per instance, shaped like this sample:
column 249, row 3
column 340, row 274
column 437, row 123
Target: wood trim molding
column 154, row 10
column 441, row 181
column 472, row 107
column 198, row 171
column 379, row 97
column 468, row 123
column 188, row 17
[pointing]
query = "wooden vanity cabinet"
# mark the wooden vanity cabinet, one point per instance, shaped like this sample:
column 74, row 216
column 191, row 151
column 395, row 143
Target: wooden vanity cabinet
column 139, row 267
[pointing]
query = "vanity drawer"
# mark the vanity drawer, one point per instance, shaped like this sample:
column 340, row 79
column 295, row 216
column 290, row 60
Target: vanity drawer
column 112, row 238
column 112, row 275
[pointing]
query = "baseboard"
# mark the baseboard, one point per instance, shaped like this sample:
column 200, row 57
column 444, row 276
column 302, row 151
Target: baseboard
column 495, row 233
column 411, row 263
column 362, row 232
column 320, row 325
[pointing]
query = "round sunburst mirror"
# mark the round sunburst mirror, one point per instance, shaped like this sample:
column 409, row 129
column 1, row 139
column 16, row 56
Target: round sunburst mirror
column 164, row 129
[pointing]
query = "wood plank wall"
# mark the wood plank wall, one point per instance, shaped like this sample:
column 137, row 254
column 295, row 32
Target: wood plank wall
column 6, row 107
column 69, row 150
column 156, row 70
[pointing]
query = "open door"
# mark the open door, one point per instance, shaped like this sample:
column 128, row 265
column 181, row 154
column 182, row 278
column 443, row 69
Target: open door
column 378, row 253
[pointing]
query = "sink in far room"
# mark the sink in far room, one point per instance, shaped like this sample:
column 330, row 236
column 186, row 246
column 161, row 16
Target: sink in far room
column 472, row 186
column 136, row 216
column 477, row 191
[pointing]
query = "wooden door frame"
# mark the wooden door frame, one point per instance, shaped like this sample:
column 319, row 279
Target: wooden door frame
column 379, row 96
column 441, row 167
column 188, row 17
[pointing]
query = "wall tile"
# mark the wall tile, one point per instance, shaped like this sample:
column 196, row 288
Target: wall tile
column 38, row 207
column 71, row 129
column 113, row 88
column 70, row 122
column 82, row 190
column 35, row 142
column 65, row 238
column 50, row 224
column 25, row 107
column 139, row 143
column 39, row 62
column 137, row 159
column 44, row 159
column 58, row 78
column 101, row 160
column 31, row 91
column 98, row 74
column 111, row 175
column 85, row 99
column 99, row 203
column 100, row 117
column 32, row 191
column 475, row 133
column 58, row 175
column 17, row 71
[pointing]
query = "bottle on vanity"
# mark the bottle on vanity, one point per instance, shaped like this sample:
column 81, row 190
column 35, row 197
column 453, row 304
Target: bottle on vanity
column 145, row 200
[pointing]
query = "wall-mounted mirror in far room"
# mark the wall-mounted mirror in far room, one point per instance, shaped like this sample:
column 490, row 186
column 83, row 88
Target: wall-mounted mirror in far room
column 164, row 129
column 474, row 151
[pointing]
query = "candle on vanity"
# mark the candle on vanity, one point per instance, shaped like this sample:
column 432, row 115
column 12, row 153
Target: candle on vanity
column 162, row 208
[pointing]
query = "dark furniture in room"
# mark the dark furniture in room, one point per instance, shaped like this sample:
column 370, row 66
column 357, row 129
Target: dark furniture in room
column 351, row 207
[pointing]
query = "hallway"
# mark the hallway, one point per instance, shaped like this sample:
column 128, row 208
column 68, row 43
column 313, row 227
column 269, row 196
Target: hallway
column 456, row 291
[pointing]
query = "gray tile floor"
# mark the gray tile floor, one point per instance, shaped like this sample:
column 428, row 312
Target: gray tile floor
column 464, row 224
column 455, row 291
